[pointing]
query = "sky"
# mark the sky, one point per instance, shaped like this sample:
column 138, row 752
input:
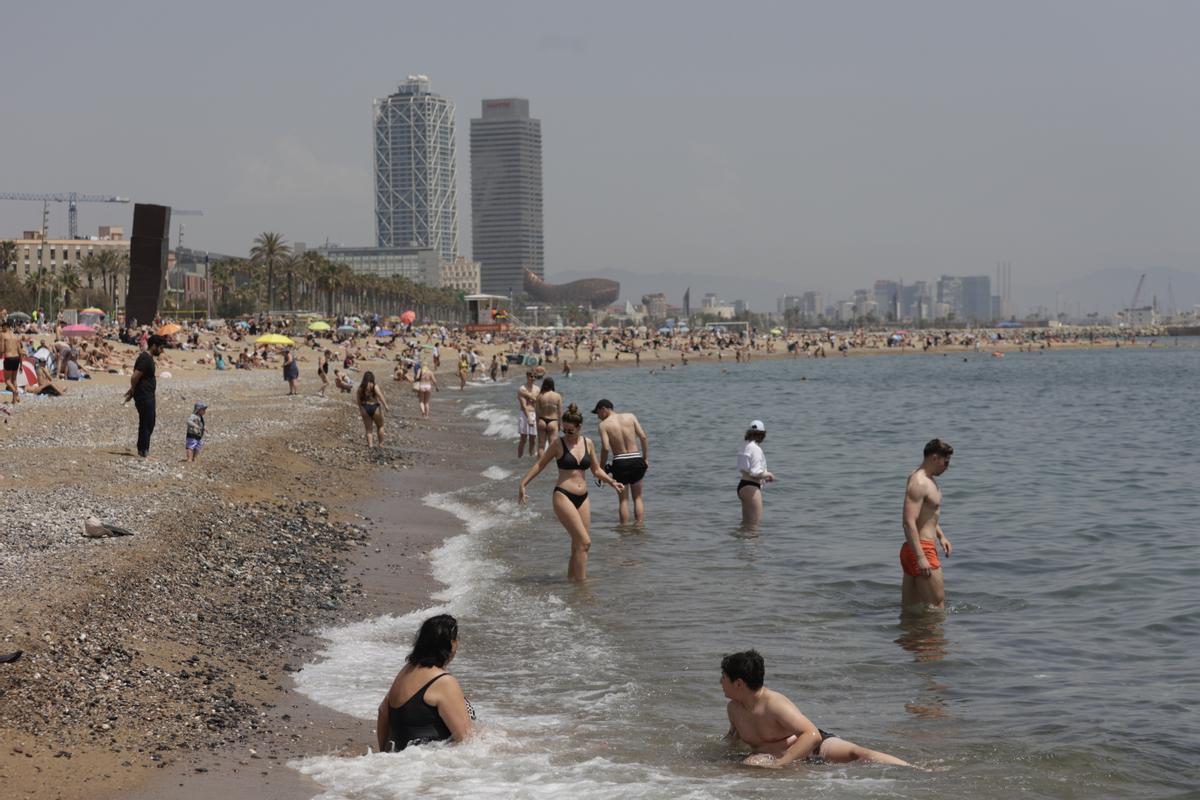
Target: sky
column 822, row 145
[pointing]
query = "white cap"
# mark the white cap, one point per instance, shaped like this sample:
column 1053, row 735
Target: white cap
column 757, row 425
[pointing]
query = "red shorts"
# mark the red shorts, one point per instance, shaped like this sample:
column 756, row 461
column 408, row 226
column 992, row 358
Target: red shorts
column 909, row 561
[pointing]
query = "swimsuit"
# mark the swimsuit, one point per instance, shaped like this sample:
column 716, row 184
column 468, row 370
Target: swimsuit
column 909, row 561
column 814, row 757
column 12, row 363
column 628, row 468
column 568, row 461
column 742, row 484
column 548, row 420
column 416, row 721
column 370, row 408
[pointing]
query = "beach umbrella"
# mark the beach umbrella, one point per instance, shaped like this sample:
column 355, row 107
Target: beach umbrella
column 384, row 332
column 19, row 316
column 92, row 310
column 273, row 338
column 776, row 331
column 169, row 329
column 79, row 330
column 347, row 329
column 27, row 374
column 318, row 326
column 408, row 317
column 241, row 323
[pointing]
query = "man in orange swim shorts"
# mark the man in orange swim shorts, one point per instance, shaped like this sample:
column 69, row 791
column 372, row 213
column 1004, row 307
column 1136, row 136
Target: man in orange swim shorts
column 922, row 583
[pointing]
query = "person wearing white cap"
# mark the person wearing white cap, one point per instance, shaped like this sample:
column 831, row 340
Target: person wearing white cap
column 753, row 466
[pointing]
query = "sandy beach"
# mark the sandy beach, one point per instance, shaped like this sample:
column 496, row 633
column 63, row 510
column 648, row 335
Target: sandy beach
column 168, row 652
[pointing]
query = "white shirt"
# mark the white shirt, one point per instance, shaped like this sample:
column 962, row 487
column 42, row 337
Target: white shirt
column 751, row 459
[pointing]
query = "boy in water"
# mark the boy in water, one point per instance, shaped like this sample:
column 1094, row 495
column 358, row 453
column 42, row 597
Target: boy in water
column 195, row 431
column 774, row 728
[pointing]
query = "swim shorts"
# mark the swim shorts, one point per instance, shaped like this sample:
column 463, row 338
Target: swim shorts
column 12, row 364
column 526, row 425
column 628, row 469
column 194, row 444
column 909, row 561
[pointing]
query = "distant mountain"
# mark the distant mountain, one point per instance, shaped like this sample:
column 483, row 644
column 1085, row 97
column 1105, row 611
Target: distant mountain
column 1109, row 290
column 760, row 294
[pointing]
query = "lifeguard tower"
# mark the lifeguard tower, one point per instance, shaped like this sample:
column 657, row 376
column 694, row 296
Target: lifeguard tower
column 488, row 313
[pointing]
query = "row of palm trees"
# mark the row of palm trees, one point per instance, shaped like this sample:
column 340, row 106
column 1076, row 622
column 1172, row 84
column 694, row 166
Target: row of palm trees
column 314, row 283
column 99, row 273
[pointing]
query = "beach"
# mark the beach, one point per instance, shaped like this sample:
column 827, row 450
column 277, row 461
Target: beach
column 171, row 656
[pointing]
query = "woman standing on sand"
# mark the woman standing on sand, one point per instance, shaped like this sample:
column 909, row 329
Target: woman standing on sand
column 323, row 372
column 371, row 405
column 424, row 385
column 753, row 467
column 291, row 371
column 574, row 454
column 462, row 370
column 549, row 410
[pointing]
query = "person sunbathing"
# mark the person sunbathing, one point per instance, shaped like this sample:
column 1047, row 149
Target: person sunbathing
column 45, row 384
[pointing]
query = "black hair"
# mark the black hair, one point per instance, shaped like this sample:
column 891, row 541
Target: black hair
column 432, row 646
column 936, row 447
column 156, row 340
column 747, row 666
column 547, row 384
column 368, row 379
column 754, row 435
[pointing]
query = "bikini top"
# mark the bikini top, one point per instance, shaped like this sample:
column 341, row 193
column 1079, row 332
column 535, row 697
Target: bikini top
column 568, row 461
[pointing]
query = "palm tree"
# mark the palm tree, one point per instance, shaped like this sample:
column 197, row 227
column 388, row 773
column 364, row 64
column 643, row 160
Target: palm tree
column 68, row 281
column 8, row 256
column 270, row 249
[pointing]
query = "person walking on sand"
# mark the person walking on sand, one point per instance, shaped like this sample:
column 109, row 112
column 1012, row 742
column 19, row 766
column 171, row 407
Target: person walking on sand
column 922, row 582
column 462, row 370
column 622, row 435
column 753, row 468
column 10, row 348
column 574, row 454
column 424, row 387
column 527, row 416
column 323, row 371
column 141, row 391
column 194, row 441
column 774, row 729
column 291, row 371
column 548, row 405
column 371, row 405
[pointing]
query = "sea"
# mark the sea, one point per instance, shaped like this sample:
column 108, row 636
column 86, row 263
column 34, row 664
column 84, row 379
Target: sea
column 1067, row 663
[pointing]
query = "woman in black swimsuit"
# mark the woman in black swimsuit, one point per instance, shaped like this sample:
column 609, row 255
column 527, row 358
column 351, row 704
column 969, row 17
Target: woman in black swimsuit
column 371, row 405
column 549, row 407
column 425, row 703
column 574, row 454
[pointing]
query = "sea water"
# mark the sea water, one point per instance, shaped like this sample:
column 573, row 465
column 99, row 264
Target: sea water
column 1065, row 664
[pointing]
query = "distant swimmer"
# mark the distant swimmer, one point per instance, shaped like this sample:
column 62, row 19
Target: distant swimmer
column 574, row 454
column 774, row 729
column 622, row 434
column 922, row 583
column 753, row 466
column 526, row 418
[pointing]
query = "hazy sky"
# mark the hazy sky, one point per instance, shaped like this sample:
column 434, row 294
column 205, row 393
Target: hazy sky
column 823, row 144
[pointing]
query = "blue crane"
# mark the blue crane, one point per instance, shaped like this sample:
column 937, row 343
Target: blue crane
column 70, row 198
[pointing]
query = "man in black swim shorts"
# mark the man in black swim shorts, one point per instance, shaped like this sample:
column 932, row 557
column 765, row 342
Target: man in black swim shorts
column 622, row 435
column 10, row 346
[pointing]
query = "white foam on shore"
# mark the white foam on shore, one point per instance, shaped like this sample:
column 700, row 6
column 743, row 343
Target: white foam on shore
column 547, row 684
column 496, row 473
column 500, row 424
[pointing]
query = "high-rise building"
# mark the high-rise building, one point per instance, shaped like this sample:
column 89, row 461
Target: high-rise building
column 416, row 200
column 506, row 195
column 977, row 298
column 887, row 299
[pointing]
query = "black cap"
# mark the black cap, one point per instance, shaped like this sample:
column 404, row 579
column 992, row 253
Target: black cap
column 602, row 404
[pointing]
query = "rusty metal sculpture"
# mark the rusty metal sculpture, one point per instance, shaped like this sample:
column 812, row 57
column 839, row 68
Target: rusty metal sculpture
column 593, row 292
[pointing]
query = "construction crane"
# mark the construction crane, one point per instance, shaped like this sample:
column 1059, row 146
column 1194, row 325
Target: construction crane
column 71, row 199
column 184, row 212
column 1137, row 294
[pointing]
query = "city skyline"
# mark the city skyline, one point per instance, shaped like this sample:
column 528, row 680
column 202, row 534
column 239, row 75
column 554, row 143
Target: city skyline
column 929, row 149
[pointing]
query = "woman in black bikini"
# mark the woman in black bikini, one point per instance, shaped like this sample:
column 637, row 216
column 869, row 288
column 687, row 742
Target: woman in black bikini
column 371, row 406
column 574, row 454
column 425, row 703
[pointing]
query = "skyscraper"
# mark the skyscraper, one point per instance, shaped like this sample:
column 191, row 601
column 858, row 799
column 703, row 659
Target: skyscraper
column 416, row 200
column 506, row 195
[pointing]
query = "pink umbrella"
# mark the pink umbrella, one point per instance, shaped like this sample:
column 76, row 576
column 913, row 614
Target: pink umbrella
column 79, row 330
column 408, row 317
